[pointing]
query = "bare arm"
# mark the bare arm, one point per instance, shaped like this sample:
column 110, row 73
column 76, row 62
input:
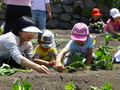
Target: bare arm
column 89, row 57
column 92, row 25
column 49, row 10
column 59, row 66
column 112, row 29
column 103, row 23
column 27, row 63
column 40, row 61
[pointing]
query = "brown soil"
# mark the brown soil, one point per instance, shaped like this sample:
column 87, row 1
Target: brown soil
column 83, row 79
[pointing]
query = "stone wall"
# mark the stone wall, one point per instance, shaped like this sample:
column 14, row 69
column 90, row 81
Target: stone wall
column 68, row 12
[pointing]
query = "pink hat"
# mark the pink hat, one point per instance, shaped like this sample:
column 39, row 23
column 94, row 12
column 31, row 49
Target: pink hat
column 79, row 32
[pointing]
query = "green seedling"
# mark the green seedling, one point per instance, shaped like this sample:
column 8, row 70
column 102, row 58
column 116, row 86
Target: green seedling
column 107, row 36
column 99, row 29
column 58, row 44
column 6, row 71
column 75, row 66
column 106, row 86
column 33, row 41
column 70, row 86
column 55, row 34
column 18, row 84
column 1, row 31
column 118, row 36
column 103, row 59
column 77, row 62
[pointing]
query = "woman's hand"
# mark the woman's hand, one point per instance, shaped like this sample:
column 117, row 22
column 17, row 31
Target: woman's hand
column 42, row 69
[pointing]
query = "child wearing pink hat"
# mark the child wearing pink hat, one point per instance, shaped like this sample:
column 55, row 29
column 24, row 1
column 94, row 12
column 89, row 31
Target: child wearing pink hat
column 80, row 42
column 113, row 24
column 95, row 22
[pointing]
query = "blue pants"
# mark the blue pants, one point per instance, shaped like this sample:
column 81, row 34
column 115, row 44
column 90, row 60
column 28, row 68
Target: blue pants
column 40, row 18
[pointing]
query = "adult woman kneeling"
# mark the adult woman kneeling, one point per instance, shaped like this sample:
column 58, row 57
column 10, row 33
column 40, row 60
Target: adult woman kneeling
column 16, row 47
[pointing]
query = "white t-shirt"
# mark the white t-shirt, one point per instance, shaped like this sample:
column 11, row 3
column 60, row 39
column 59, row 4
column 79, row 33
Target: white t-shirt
column 19, row 2
column 39, row 4
column 10, row 47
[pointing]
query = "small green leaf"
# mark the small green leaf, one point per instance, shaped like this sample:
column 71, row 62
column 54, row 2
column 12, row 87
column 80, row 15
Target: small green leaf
column 18, row 84
column 6, row 71
column 70, row 86
column 107, row 36
column 106, row 86
column 93, row 88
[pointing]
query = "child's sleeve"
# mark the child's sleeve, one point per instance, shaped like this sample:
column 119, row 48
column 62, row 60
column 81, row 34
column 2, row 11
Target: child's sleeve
column 92, row 41
column 90, row 21
column 54, row 51
column 69, row 45
column 36, row 52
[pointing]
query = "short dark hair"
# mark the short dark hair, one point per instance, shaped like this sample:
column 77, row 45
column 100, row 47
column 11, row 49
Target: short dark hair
column 23, row 22
column 112, row 18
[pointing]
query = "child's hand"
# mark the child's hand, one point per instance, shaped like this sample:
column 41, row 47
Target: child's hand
column 59, row 67
column 51, row 63
column 41, row 69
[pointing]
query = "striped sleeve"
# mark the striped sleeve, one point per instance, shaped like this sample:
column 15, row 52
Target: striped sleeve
column 12, row 46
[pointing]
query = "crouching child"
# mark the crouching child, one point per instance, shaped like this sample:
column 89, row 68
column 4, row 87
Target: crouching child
column 80, row 42
column 45, row 53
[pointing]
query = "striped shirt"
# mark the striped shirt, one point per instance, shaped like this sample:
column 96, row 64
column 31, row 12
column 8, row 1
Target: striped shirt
column 10, row 47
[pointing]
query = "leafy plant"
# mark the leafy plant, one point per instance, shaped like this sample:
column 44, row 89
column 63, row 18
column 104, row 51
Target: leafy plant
column 99, row 27
column 18, row 84
column 118, row 36
column 77, row 62
column 1, row 31
column 103, row 59
column 70, row 86
column 33, row 41
column 111, row 3
column 58, row 44
column 106, row 86
column 6, row 71
column 107, row 37
column 55, row 34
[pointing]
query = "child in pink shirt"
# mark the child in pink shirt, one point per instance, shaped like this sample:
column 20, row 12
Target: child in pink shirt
column 113, row 24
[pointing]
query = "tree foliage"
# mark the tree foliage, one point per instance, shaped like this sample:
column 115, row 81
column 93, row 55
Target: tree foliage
column 112, row 3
